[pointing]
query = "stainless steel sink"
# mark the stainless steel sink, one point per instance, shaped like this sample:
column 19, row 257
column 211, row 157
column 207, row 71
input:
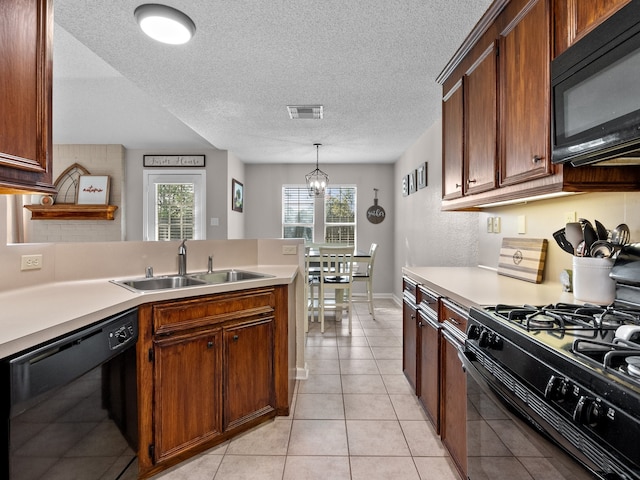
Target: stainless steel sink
column 226, row 276
column 191, row 280
column 160, row 283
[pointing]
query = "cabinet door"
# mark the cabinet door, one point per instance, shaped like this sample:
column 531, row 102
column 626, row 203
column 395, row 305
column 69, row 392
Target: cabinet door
column 480, row 113
column 525, row 83
column 452, row 142
column 187, row 392
column 410, row 343
column 26, row 46
column 249, row 389
column 429, row 371
column 453, row 414
column 575, row 18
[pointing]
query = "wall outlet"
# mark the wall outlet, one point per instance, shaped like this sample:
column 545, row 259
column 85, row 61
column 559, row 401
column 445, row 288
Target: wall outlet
column 570, row 217
column 496, row 224
column 489, row 224
column 31, row 262
column 289, row 249
column 522, row 224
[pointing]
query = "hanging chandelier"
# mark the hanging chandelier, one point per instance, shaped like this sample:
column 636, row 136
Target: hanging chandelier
column 317, row 180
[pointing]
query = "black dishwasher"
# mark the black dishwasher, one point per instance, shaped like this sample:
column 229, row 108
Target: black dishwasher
column 70, row 405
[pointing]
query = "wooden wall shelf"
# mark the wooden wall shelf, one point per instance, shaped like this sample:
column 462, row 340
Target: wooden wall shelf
column 72, row 212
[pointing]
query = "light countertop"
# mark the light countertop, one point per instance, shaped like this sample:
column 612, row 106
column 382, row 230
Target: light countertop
column 477, row 286
column 32, row 315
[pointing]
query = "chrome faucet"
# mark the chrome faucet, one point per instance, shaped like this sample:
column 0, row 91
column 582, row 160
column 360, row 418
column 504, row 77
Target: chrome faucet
column 182, row 258
column 210, row 264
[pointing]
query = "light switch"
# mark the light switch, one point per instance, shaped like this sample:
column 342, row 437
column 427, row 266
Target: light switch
column 496, row 224
column 215, row 221
column 489, row 224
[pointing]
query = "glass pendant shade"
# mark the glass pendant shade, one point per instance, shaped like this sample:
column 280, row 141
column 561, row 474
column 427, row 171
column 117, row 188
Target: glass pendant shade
column 317, row 180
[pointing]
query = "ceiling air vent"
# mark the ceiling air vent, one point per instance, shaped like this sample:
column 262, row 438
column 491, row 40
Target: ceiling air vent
column 313, row 112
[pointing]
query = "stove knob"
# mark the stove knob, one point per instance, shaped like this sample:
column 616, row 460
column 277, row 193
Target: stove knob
column 474, row 332
column 588, row 411
column 483, row 339
column 495, row 342
column 557, row 389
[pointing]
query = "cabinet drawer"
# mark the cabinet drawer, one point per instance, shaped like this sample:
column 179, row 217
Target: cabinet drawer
column 428, row 301
column 453, row 314
column 199, row 312
column 409, row 287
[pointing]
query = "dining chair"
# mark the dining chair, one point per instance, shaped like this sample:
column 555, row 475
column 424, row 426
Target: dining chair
column 311, row 288
column 366, row 276
column 336, row 276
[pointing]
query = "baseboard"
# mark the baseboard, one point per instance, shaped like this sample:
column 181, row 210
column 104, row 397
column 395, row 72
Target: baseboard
column 302, row 373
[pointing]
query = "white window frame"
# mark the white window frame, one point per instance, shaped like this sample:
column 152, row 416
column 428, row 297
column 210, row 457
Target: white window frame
column 153, row 177
column 354, row 224
column 319, row 213
column 314, row 213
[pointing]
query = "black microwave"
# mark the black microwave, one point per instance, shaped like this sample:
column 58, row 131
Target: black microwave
column 595, row 94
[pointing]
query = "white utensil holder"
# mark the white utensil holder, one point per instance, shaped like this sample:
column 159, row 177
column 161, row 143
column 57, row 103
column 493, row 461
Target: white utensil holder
column 591, row 281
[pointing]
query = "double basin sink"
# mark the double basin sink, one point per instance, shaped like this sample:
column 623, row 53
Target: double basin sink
column 166, row 282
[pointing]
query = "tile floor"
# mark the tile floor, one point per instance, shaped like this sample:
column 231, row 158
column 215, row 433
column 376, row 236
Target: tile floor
column 354, row 418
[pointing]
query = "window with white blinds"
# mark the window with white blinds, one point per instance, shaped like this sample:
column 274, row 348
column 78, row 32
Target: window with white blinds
column 297, row 212
column 340, row 215
column 335, row 214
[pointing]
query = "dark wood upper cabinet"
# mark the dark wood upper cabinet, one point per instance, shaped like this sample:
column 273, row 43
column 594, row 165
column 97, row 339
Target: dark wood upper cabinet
column 576, row 18
column 505, row 62
column 452, row 142
column 26, row 43
column 481, row 89
column 524, row 123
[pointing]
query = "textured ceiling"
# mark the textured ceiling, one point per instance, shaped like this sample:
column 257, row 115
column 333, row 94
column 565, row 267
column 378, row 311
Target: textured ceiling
column 371, row 63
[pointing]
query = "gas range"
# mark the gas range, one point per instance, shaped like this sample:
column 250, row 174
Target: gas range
column 571, row 370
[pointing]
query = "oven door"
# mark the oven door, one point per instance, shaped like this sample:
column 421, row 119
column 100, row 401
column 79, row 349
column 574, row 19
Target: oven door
column 503, row 440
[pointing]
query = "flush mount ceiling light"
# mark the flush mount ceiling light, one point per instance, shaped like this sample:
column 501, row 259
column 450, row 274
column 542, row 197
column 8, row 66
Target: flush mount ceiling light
column 165, row 24
column 317, row 180
column 312, row 112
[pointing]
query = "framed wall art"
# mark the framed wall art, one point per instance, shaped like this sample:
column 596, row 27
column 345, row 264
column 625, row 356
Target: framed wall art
column 422, row 175
column 237, row 196
column 93, row 190
column 412, row 182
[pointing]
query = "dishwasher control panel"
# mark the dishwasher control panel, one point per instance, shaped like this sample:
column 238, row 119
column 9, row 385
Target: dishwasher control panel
column 122, row 335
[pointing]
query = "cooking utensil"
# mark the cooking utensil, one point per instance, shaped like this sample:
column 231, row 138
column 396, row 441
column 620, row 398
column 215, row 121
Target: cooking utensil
column 562, row 241
column 573, row 233
column 621, row 235
column 603, row 233
column 601, row 249
column 590, row 237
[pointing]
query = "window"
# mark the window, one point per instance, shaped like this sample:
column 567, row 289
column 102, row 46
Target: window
column 174, row 206
column 340, row 215
column 297, row 213
column 336, row 212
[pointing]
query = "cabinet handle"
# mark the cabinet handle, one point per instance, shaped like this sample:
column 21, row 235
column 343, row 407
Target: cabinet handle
column 536, row 159
column 454, row 321
column 420, row 324
column 209, row 344
column 469, row 182
column 458, row 185
column 235, row 338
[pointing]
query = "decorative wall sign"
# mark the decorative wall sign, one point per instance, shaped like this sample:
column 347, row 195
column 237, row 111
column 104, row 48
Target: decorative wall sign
column 422, row 175
column 173, row 160
column 412, row 182
column 375, row 213
column 405, row 185
column 93, row 190
column 237, row 196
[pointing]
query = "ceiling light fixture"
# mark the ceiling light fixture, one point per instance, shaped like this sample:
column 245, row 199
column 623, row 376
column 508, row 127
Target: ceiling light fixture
column 317, row 180
column 165, row 24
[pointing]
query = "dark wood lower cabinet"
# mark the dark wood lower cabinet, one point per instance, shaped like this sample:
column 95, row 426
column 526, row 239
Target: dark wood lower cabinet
column 208, row 368
column 429, row 395
column 410, row 343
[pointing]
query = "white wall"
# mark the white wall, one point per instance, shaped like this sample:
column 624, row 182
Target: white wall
column 544, row 217
column 263, row 207
column 424, row 235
